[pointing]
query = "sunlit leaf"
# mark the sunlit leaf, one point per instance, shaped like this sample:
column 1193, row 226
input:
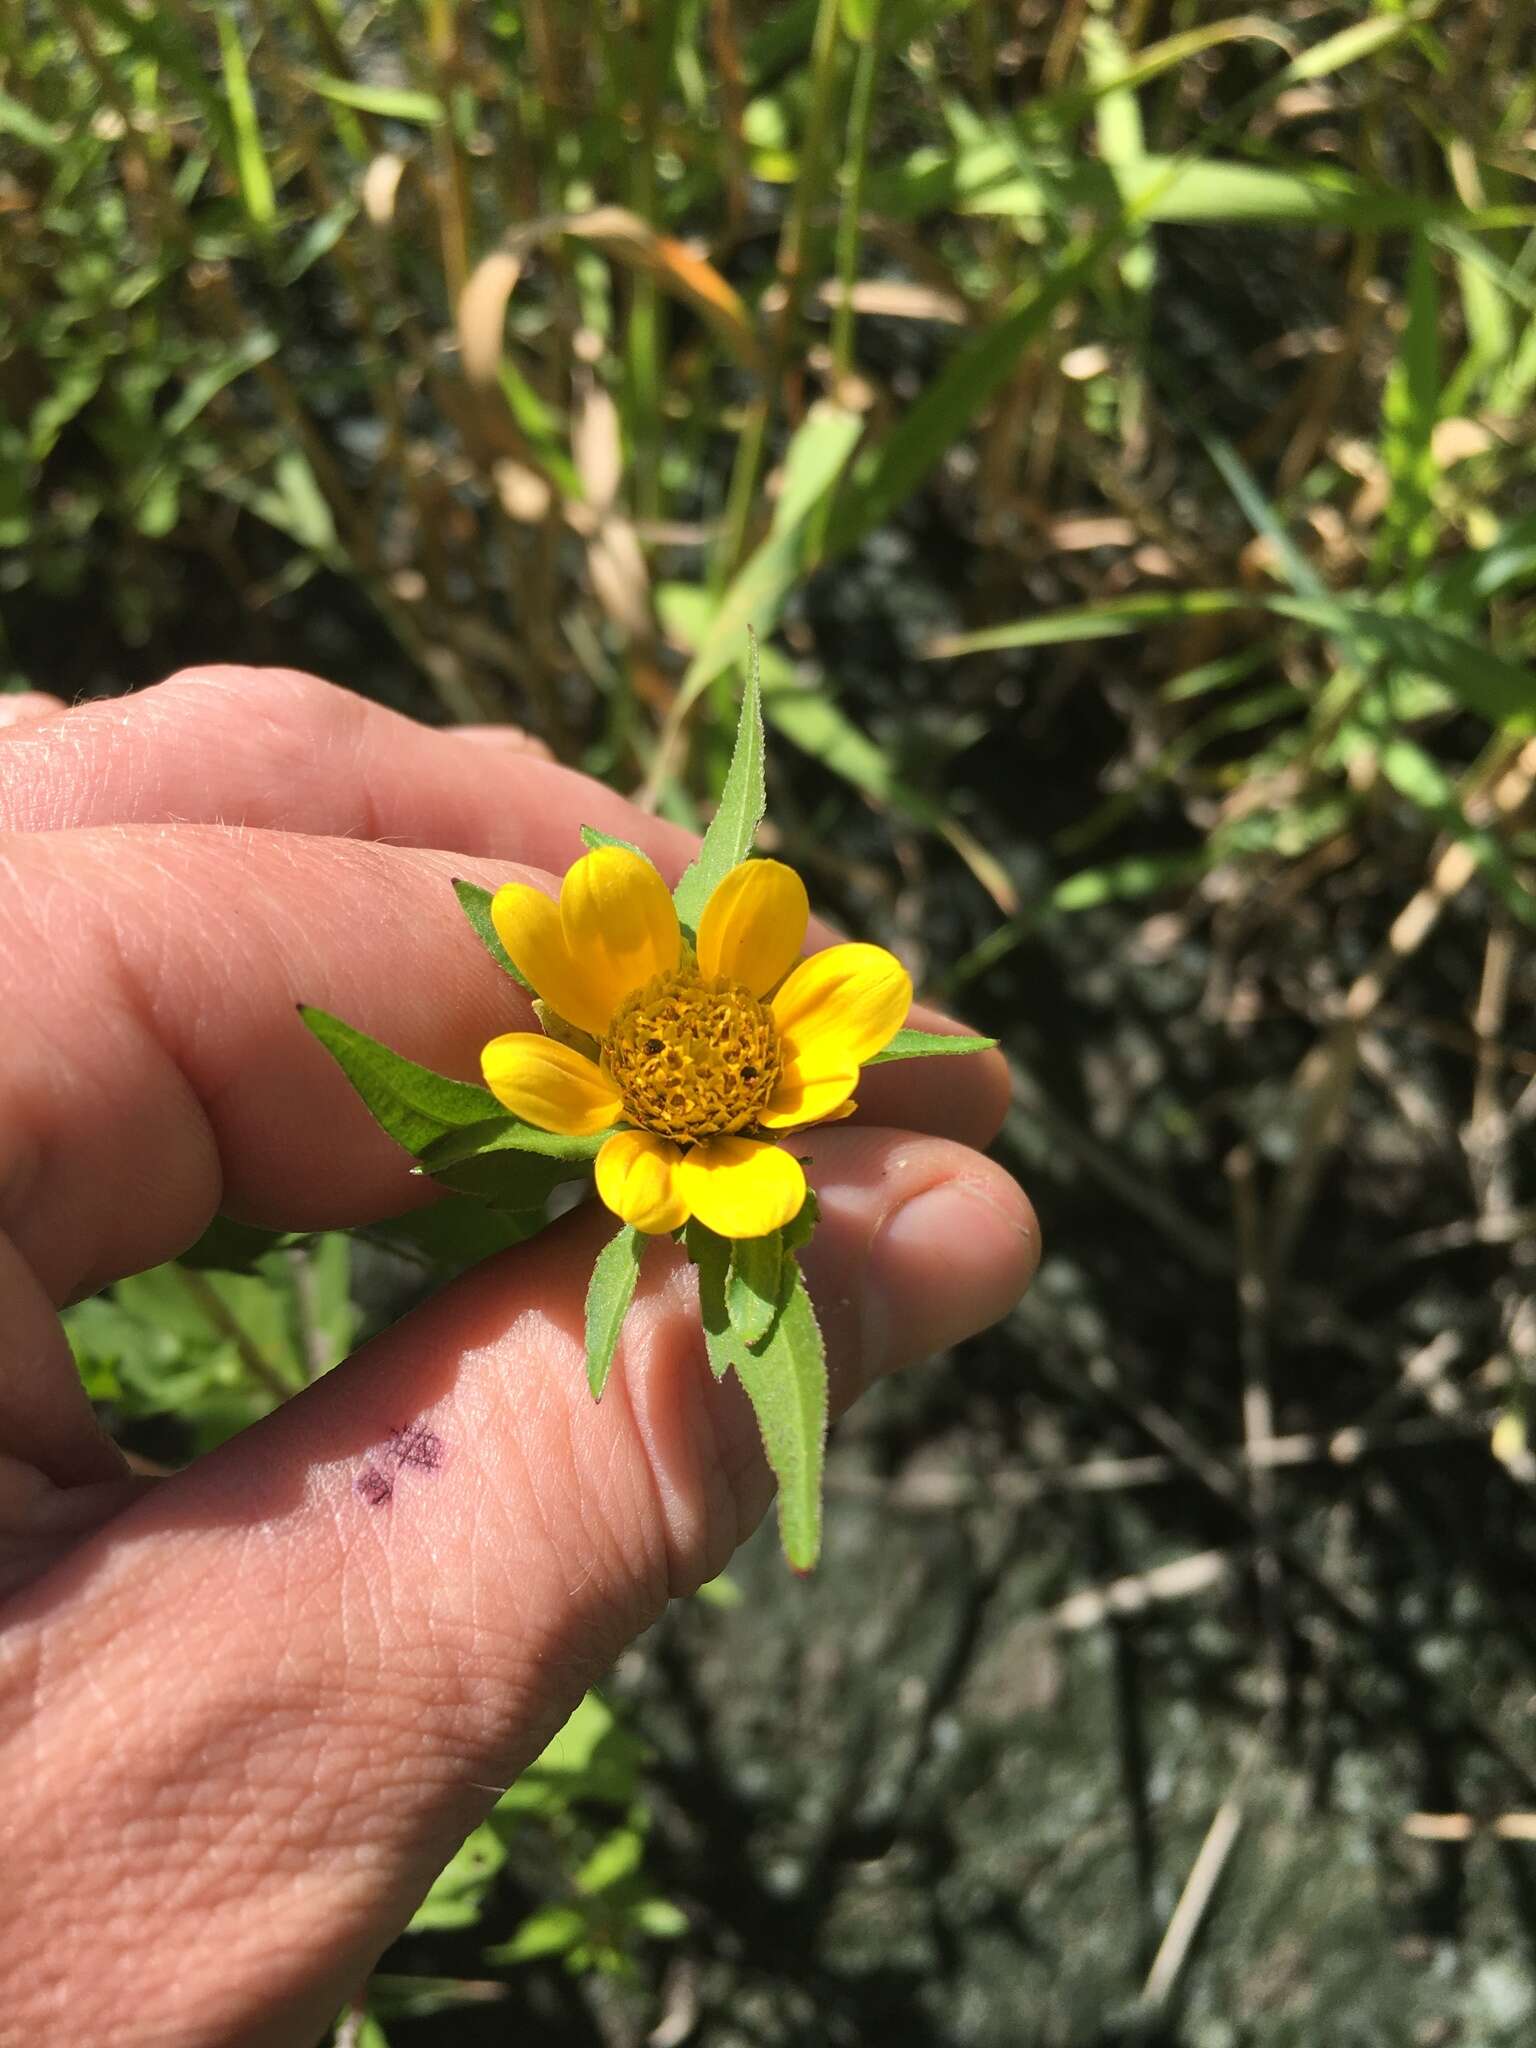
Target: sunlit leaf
column 786, row 1382
column 743, row 800
column 612, row 1289
column 914, row 1045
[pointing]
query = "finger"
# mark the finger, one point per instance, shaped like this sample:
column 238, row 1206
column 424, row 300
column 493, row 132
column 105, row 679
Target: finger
column 277, row 749
column 327, row 1644
column 510, row 738
column 284, row 751
column 25, row 707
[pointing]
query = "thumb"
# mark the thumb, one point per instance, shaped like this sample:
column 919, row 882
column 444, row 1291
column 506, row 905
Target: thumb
column 285, row 1683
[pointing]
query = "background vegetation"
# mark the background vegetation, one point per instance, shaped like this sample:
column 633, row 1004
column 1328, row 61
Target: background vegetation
column 1117, row 420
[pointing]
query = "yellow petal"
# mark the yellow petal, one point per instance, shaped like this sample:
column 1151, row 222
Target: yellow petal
column 637, row 1178
column 753, row 925
column 619, row 925
column 808, row 1095
column 549, row 1085
column 840, row 1007
column 528, row 925
column 740, row 1188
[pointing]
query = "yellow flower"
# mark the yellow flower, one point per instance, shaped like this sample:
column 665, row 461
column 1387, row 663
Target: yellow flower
column 700, row 1056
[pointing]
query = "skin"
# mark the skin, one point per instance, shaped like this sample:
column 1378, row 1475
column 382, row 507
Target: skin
column 247, row 1712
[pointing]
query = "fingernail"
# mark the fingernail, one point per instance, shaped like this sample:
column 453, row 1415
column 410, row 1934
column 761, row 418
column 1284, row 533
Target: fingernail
column 943, row 1266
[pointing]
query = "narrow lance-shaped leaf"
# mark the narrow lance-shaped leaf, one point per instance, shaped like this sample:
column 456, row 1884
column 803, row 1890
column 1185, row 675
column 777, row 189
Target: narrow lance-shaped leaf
column 742, row 802
column 475, row 903
column 753, row 1285
column 592, row 839
column 786, row 1382
column 917, row 1045
column 609, row 1295
column 712, row 1256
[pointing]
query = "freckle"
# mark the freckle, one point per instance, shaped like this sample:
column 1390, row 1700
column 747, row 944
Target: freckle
column 373, row 1487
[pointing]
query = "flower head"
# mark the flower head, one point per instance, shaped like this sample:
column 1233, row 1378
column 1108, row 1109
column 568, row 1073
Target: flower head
column 695, row 1058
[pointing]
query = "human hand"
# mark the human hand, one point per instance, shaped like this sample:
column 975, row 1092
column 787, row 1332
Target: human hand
column 248, row 1712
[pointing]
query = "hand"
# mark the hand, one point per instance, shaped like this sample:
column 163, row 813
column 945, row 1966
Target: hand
column 246, row 1712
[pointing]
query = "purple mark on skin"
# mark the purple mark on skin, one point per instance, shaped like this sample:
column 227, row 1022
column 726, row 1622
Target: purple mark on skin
column 373, row 1487
column 418, row 1446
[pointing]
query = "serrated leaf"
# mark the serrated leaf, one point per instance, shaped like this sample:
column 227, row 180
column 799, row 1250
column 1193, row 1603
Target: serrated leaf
column 798, row 1230
column 786, row 1382
column 752, row 1285
column 609, row 1294
column 742, row 803
column 413, row 1104
column 917, row 1045
column 475, row 903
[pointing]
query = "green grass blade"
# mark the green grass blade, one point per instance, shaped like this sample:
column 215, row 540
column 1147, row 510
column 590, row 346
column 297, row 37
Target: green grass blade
column 1410, row 406
column 255, row 178
column 884, row 479
column 815, row 460
column 393, row 102
column 1110, row 620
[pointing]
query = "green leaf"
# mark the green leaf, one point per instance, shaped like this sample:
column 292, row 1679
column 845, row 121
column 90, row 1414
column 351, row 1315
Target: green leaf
column 548, row 1932
column 412, row 1103
column 20, row 121
column 813, row 463
column 394, row 103
column 475, row 903
column 458, row 1894
column 887, row 476
column 801, row 1226
column 592, row 839
column 1108, row 620
column 504, row 1132
column 455, row 1233
column 250, row 160
column 712, row 1256
column 786, row 1382
column 609, row 1295
column 742, row 803
column 1500, row 691
column 1410, row 409
column 615, row 1860
column 917, row 1045
column 752, row 1285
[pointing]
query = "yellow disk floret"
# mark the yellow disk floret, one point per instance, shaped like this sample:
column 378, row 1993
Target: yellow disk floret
column 693, row 1056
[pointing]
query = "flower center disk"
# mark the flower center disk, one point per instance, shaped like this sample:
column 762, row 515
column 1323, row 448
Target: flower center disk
column 693, row 1056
